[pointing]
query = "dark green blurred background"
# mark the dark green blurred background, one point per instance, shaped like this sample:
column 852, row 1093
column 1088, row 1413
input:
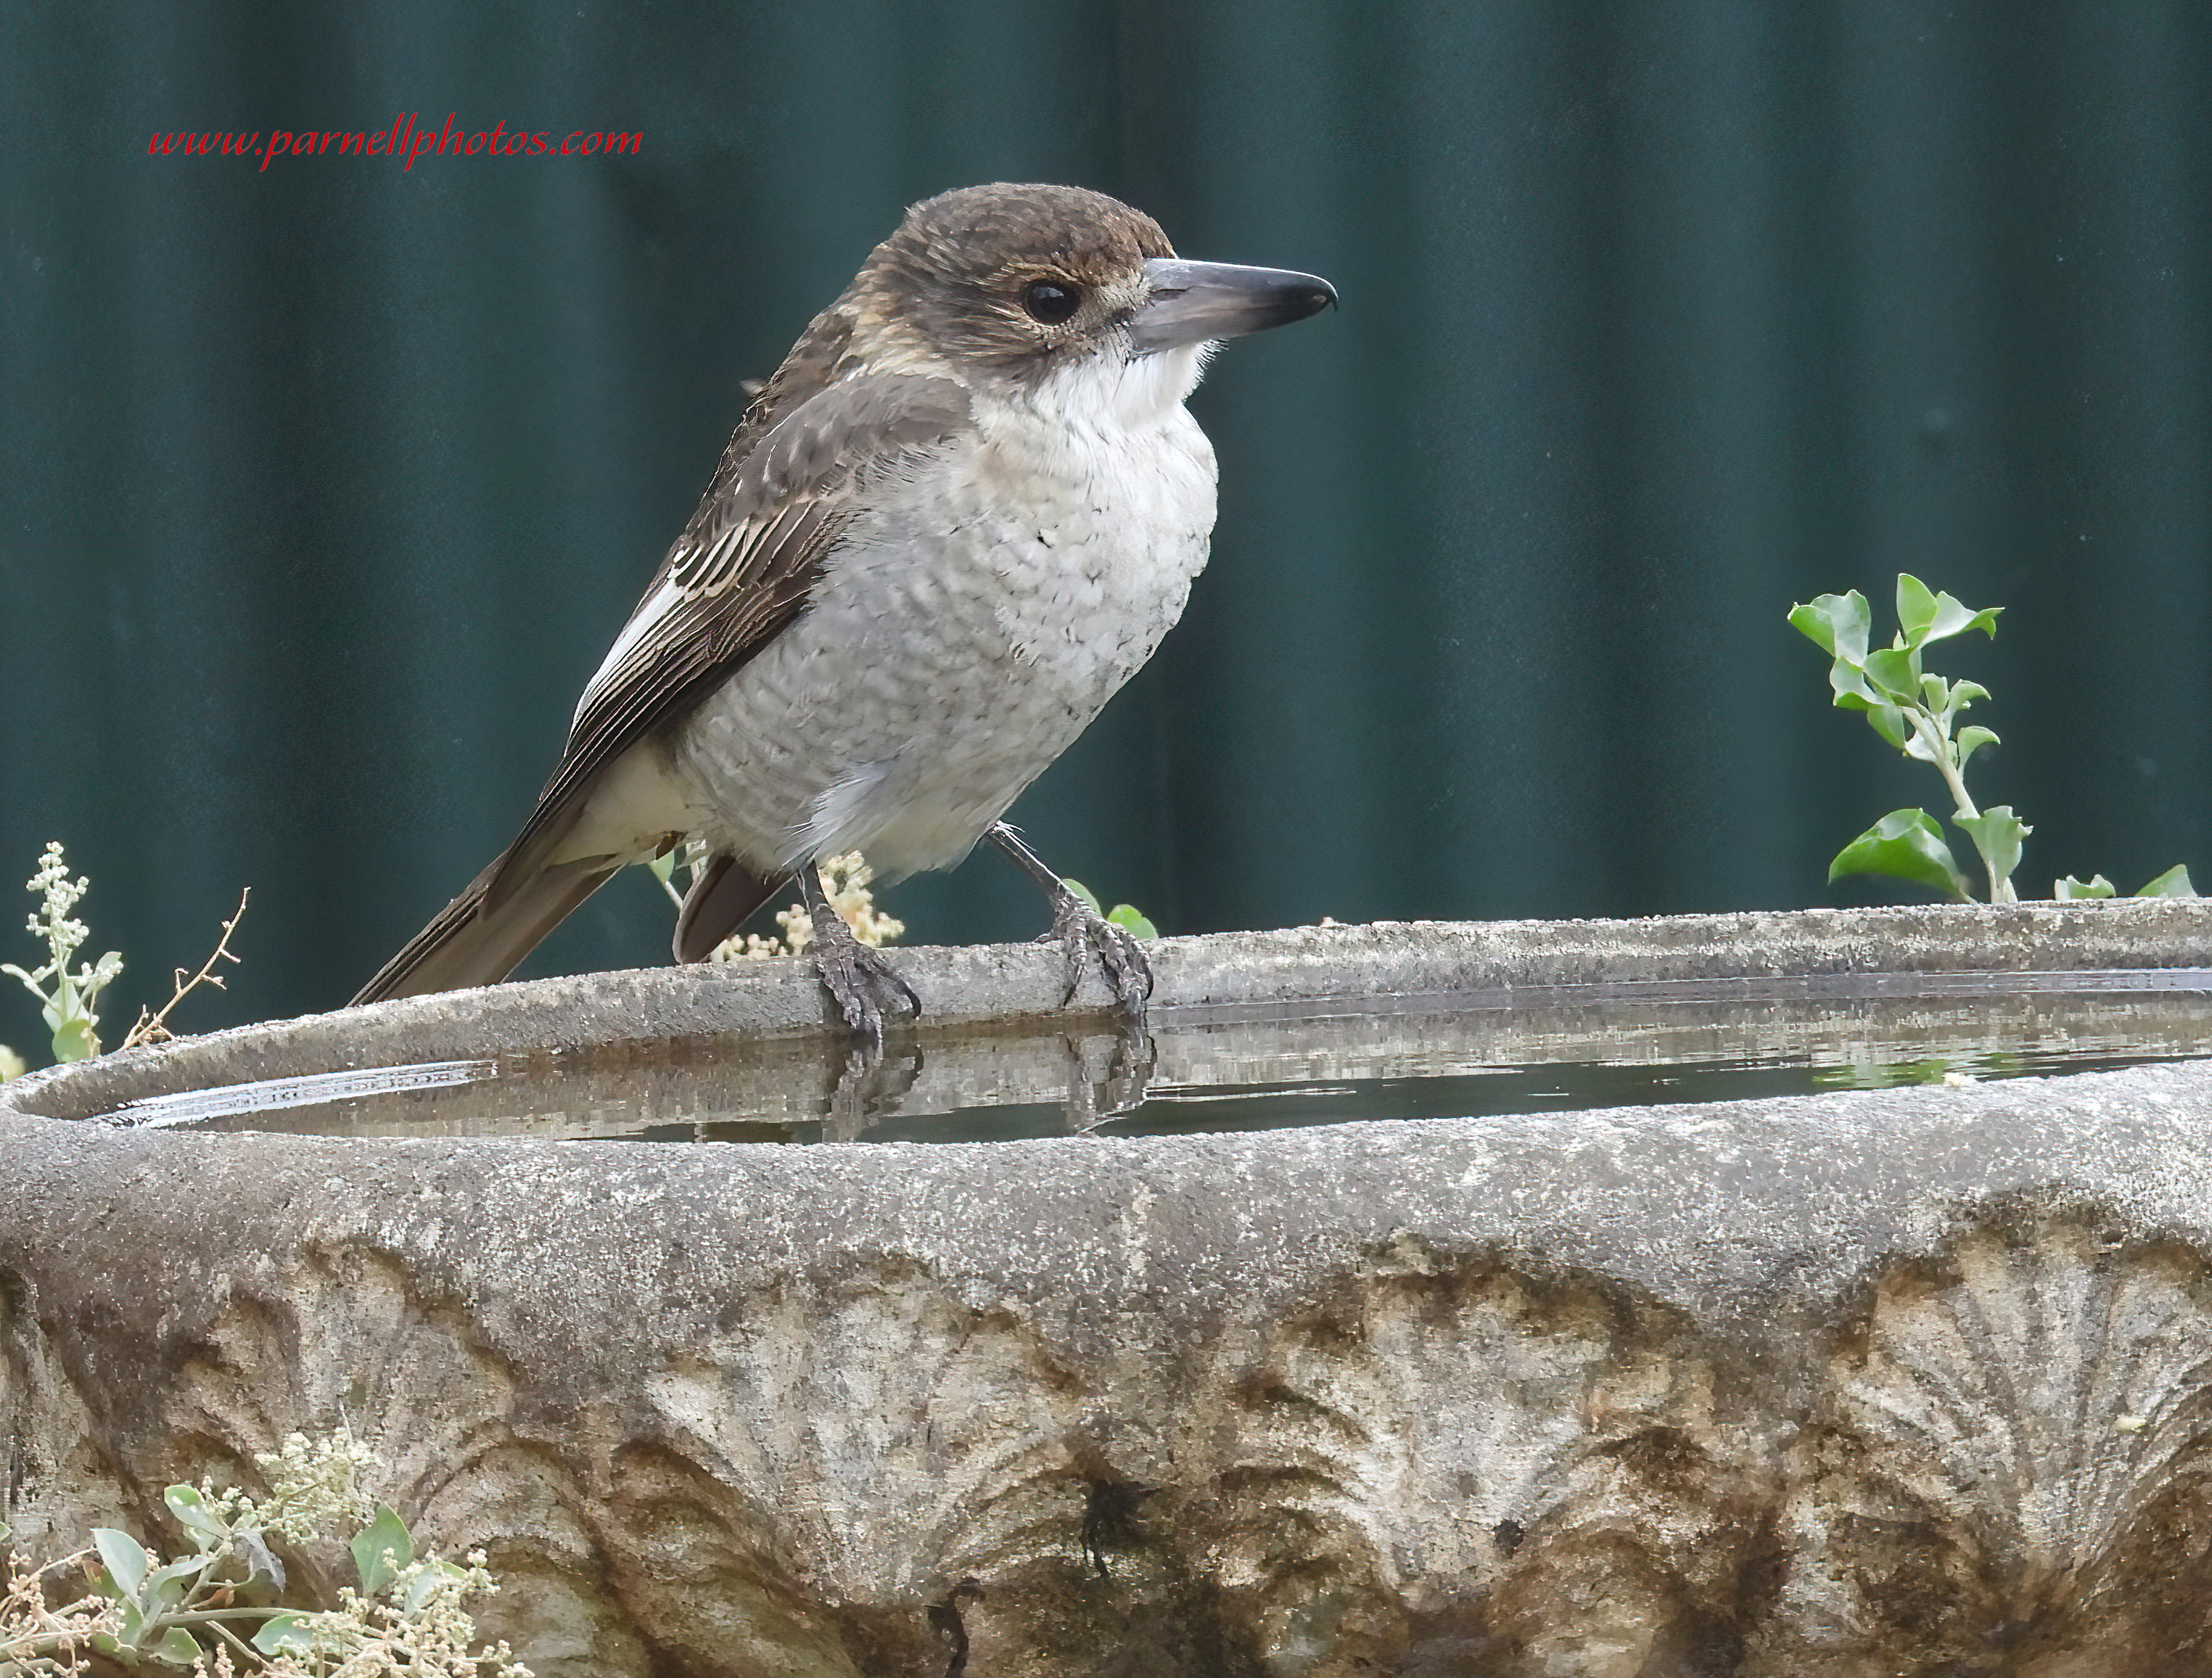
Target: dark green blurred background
column 325, row 488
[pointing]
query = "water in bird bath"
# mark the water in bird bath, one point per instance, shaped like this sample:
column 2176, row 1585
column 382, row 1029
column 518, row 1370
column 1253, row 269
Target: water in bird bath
column 1253, row 1067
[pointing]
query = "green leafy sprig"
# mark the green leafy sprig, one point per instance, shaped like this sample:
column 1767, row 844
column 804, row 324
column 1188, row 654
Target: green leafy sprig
column 1917, row 712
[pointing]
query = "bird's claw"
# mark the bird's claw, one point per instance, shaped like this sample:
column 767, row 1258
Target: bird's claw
column 1083, row 932
column 861, row 983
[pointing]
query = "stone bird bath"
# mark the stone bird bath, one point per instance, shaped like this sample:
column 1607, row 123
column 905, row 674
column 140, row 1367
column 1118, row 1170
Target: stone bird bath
column 1896, row 1381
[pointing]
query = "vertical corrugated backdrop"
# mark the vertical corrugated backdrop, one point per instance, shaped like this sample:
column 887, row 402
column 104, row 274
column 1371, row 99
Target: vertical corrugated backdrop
column 323, row 488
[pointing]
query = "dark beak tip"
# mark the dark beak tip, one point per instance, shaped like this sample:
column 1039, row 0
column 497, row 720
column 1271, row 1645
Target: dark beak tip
column 1308, row 297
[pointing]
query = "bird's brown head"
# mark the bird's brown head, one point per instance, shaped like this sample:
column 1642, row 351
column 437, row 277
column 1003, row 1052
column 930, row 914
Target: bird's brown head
column 1009, row 276
column 1025, row 280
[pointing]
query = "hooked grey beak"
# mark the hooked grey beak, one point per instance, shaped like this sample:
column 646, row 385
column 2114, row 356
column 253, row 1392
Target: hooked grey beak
column 1194, row 302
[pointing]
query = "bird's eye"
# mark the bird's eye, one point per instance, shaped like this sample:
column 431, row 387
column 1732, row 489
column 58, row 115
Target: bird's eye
column 1049, row 302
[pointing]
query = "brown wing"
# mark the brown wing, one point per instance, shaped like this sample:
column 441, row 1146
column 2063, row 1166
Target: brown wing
column 740, row 572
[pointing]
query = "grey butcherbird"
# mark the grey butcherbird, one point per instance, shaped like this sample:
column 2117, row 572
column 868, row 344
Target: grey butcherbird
column 959, row 517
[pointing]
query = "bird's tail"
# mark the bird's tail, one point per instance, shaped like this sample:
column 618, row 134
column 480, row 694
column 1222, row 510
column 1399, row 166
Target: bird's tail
column 478, row 940
column 482, row 935
column 723, row 893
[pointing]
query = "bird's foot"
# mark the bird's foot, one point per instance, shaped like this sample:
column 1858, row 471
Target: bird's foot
column 1083, row 933
column 861, row 982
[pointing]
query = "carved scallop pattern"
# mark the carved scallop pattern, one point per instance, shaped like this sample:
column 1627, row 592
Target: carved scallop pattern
column 807, row 1400
column 1448, row 1463
column 2016, row 1450
column 1470, row 1446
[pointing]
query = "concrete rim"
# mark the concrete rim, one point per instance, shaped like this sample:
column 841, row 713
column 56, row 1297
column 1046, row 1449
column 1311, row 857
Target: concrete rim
column 1017, row 986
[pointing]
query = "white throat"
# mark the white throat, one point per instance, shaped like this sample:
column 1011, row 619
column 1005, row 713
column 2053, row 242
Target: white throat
column 1136, row 394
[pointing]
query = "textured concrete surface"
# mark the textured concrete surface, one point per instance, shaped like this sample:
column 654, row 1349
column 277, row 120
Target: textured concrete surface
column 1289, row 970
column 1895, row 1382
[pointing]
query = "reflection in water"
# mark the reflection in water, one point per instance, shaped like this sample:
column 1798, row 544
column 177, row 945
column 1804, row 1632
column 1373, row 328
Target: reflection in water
column 1203, row 1070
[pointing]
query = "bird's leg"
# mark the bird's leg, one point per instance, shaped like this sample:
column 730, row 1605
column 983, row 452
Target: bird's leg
column 1082, row 930
column 859, row 980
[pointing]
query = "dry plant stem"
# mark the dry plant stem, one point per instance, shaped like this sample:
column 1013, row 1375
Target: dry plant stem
column 154, row 1028
column 33, row 1630
column 237, row 1643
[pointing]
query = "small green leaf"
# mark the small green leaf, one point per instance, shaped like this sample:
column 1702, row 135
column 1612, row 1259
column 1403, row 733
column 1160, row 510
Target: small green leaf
column 1852, row 690
column 2072, row 891
column 125, row 1558
column 1996, row 833
column 1889, row 722
column 1972, row 738
column 380, row 1549
column 1130, row 920
column 283, row 1633
column 1894, row 674
column 74, row 1041
column 178, row 1647
column 1905, row 844
column 192, row 1512
column 1940, row 618
column 1836, row 623
column 165, row 1586
column 1915, row 608
column 1084, row 893
column 428, row 1583
column 2173, row 883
